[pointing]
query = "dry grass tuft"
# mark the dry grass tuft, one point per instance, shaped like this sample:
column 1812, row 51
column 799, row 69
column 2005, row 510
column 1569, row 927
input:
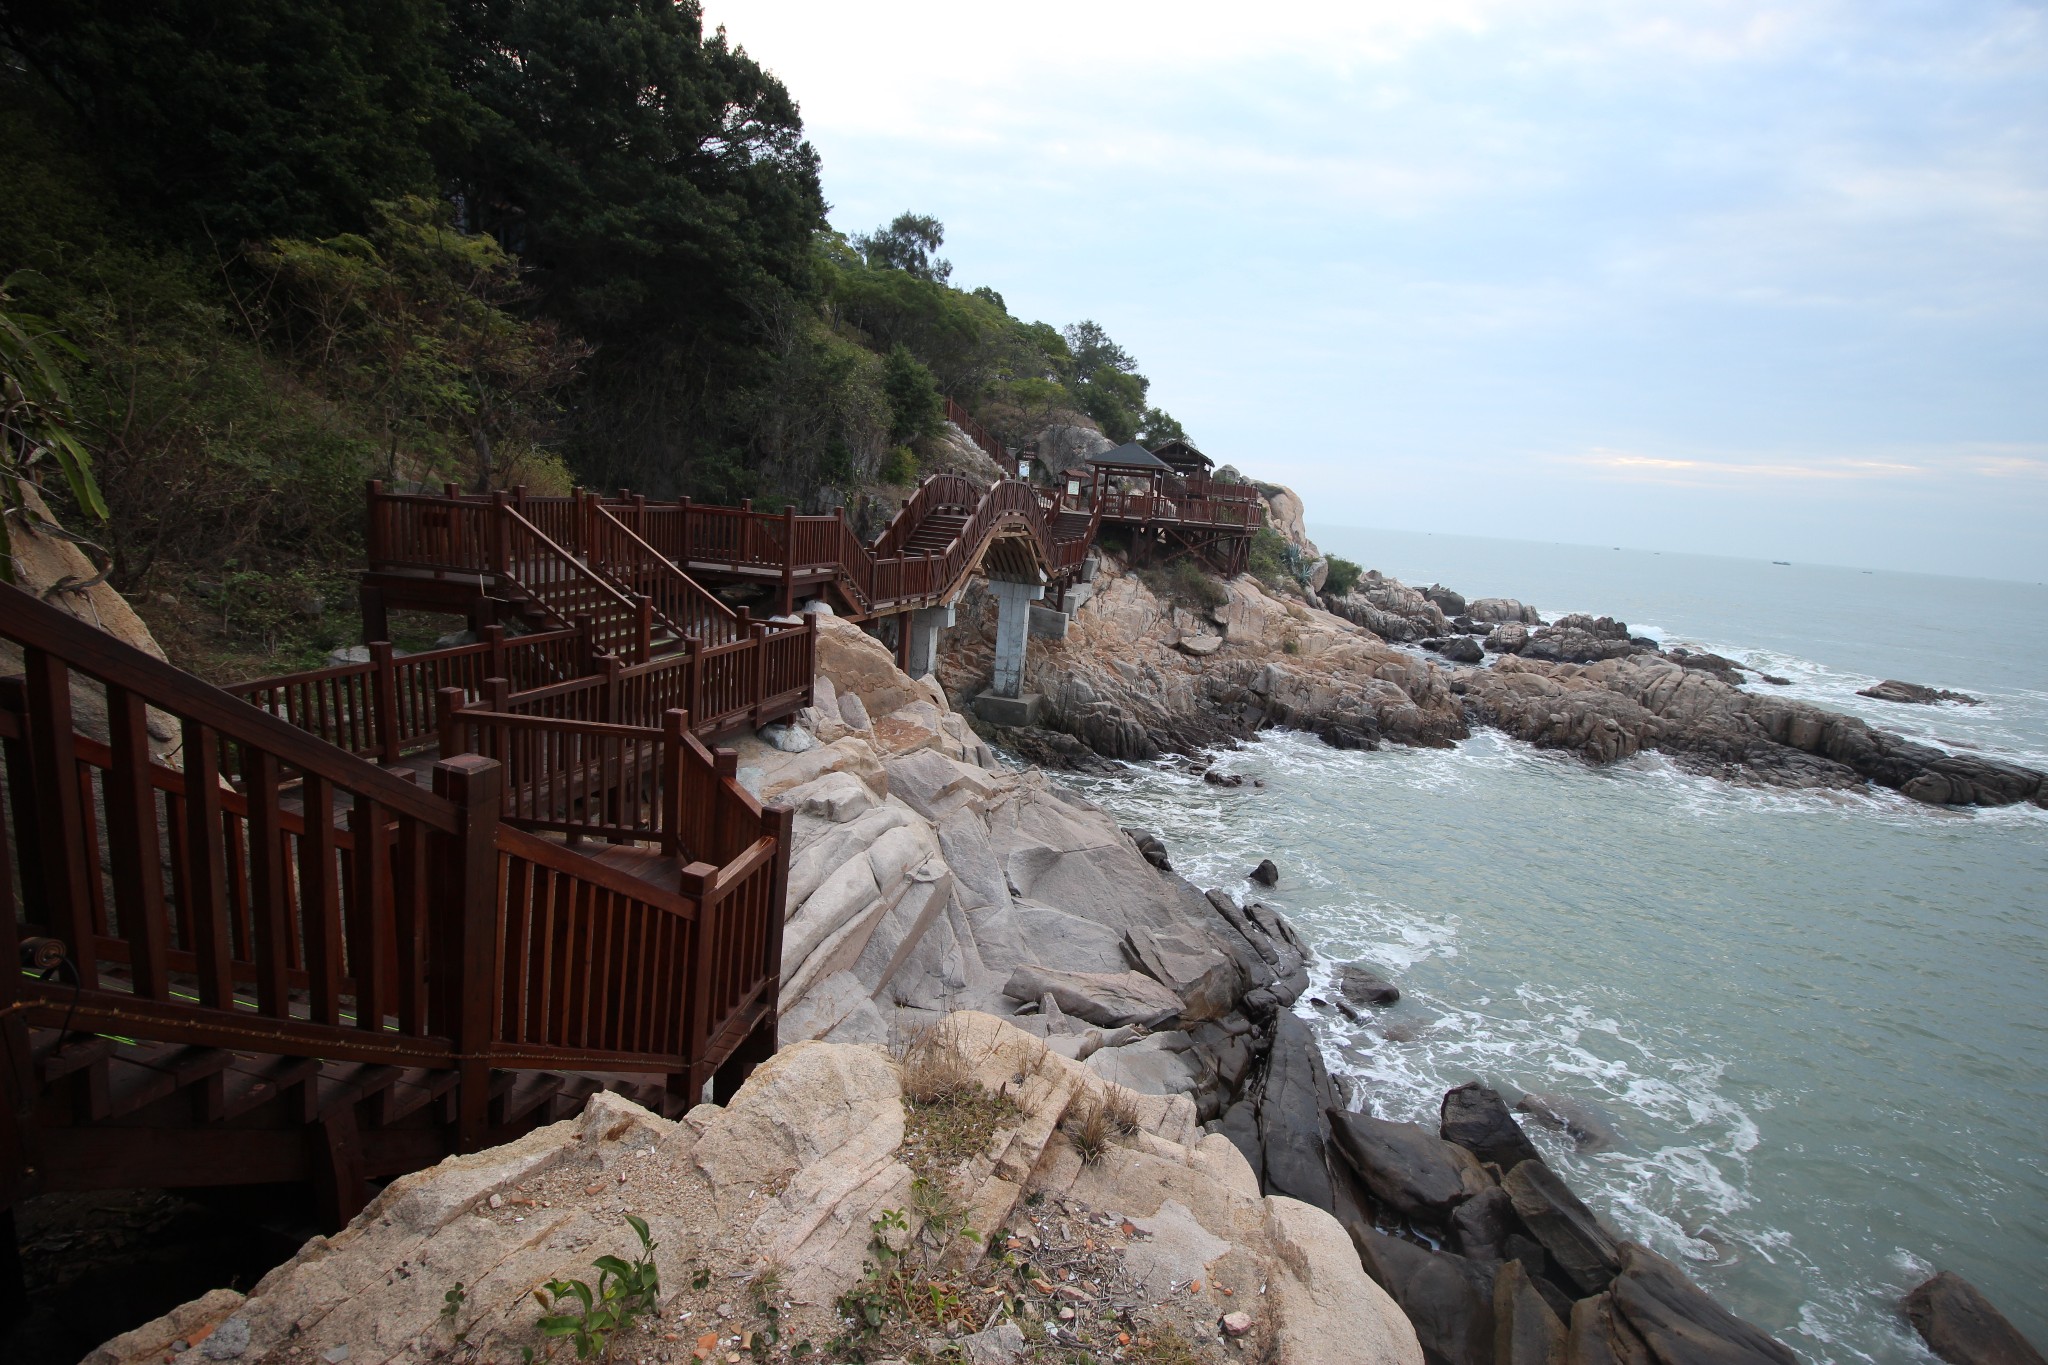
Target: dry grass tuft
column 1121, row 1109
column 934, row 1068
column 1090, row 1131
column 1162, row 1345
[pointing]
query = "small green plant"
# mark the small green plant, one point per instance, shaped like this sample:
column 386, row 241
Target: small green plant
column 765, row 1288
column 1342, row 578
column 624, row 1291
column 451, row 1302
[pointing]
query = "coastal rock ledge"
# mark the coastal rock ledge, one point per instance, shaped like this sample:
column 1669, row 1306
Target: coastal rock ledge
column 828, row 1165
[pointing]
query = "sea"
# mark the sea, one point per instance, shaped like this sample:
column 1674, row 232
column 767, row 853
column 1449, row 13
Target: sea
column 1816, row 1023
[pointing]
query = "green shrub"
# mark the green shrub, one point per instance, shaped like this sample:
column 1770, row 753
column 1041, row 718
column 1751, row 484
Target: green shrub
column 1343, row 576
column 899, row 466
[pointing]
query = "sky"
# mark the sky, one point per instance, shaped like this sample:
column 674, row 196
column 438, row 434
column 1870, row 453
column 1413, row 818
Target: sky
column 1723, row 276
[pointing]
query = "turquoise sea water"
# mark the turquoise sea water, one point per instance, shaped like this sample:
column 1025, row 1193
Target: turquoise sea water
column 1819, row 1021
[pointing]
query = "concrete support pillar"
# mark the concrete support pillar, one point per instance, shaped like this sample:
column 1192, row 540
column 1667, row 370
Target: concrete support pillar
column 1013, row 625
column 925, row 625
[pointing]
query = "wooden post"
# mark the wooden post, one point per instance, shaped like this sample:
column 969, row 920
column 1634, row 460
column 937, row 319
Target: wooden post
column 725, row 764
column 746, row 530
column 586, row 645
column 494, row 636
column 376, row 621
column 614, row 699
column 384, row 700
column 467, row 908
column 452, row 732
column 644, row 605
column 694, row 883
column 788, row 558
column 675, row 725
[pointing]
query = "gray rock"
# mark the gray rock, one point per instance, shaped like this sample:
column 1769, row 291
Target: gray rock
column 1502, row 609
column 1597, row 1335
column 227, row 1341
column 1103, row 998
column 1962, row 1326
column 1511, row 638
column 1408, row 1168
column 1440, row 1293
column 996, row 1346
column 1154, row 850
column 1481, row 1224
column 1580, row 1247
column 1459, row 649
column 1447, row 602
column 1476, row 1118
column 1680, row 1324
column 1294, row 1095
column 854, row 711
column 1914, row 694
column 788, row 738
column 1587, row 1127
column 1267, row 873
column 1525, row 1330
column 1364, row 986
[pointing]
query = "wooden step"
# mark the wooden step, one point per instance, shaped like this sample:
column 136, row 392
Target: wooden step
column 249, row 1084
column 411, row 1091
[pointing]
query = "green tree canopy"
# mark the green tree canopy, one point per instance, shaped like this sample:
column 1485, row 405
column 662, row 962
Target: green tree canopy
column 911, row 244
column 247, row 118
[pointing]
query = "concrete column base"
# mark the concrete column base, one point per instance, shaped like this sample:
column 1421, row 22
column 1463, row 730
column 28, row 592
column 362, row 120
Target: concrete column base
column 1009, row 712
column 1013, row 622
column 925, row 625
column 1048, row 624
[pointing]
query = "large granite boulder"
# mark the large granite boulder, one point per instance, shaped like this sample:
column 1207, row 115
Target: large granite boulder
column 1294, row 1095
column 1408, row 1168
column 1962, row 1326
column 1679, row 1324
column 1579, row 1245
column 1448, row 1299
column 1476, row 1118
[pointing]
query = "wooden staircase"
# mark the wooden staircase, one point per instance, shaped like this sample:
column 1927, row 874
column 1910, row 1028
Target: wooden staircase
column 249, row 955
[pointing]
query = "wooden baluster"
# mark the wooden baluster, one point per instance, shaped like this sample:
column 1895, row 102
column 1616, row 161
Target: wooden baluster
column 320, row 899
column 60, row 818
column 725, row 763
column 132, row 844
column 466, row 911
column 368, row 915
column 643, row 626
column 272, row 936
column 206, row 877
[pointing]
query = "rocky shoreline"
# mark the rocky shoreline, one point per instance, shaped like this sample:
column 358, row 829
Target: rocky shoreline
column 1157, row 1123
column 1138, row 673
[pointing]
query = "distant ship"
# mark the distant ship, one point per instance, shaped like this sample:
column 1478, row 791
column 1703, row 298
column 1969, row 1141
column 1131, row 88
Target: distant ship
column 1786, row 562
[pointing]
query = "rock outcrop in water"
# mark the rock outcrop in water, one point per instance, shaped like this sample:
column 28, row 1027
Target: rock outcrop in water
column 1618, row 707
column 1962, row 1326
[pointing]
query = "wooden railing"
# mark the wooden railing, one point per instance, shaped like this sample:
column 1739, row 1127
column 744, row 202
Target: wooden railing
column 387, row 706
column 616, row 550
column 641, row 553
column 260, row 890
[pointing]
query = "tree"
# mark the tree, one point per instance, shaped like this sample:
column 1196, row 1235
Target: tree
column 1106, row 381
column 1159, row 428
column 911, row 244
column 415, row 318
column 916, row 407
column 246, row 118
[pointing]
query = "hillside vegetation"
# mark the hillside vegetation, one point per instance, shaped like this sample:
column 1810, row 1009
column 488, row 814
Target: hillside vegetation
column 277, row 247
